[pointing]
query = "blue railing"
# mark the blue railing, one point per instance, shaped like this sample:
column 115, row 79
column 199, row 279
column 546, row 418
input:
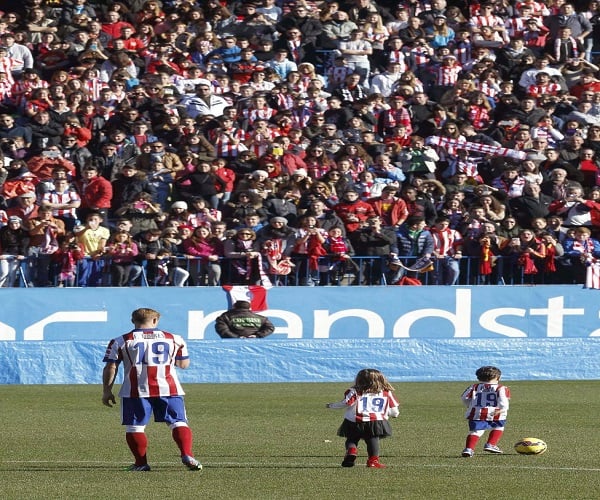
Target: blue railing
column 361, row 270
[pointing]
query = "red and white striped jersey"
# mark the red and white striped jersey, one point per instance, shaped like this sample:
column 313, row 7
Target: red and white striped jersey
column 259, row 141
column 543, row 90
column 301, row 116
column 489, row 88
column 485, row 401
column 493, row 21
column 515, row 26
column 446, row 241
column 92, row 87
column 228, row 142
column 252, row 114
column 285, row 101
column 22, row 90
column 6, row 67
column 148, row 358
column 6, row 91
column 64, row 198
column 539, row 9
column 447, row 76
column 336, row 75
column 397, row 56
column 368, row 407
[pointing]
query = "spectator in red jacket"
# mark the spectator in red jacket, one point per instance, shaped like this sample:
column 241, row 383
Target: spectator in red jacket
column 392, row 210
column 96, row 192
column 113, row 24
column 353, row 212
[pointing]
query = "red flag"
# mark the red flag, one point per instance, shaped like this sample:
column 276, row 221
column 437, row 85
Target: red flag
column 255, row 294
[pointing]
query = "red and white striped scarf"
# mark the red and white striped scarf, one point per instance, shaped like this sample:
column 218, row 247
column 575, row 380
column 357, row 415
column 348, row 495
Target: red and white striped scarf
column 278, row 263
column 583, row 247
column 592, row 279
column 420, row 57
column 462, row 51
column 446, row 142
column 574, row 50
column 478, row 116
column 395, row 117
column 246, row 270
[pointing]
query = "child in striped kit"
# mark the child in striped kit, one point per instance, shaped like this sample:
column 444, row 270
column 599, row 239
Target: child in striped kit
column 369, row 403
column 487, row 407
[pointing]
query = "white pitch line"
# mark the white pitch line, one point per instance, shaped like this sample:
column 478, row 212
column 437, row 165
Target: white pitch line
column 524, row 467
column 241, row 465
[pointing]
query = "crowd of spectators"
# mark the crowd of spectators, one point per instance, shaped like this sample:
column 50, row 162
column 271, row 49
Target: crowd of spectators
column 203, row 142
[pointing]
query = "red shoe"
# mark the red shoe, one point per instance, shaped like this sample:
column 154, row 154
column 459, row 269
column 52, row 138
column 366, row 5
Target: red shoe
column 374, row 463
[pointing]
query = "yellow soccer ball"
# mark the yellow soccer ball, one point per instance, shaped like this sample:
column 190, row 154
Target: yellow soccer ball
column 530, row 446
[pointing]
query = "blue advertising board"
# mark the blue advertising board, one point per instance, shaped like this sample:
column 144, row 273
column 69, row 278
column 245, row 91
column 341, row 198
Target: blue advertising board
column 484, row 312
column 324, row 333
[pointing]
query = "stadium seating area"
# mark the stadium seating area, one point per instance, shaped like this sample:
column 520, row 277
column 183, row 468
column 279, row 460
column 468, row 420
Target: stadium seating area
column 359, row 142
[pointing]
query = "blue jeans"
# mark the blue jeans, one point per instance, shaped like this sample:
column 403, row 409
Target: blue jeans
column 90, row 272
column 447, row 271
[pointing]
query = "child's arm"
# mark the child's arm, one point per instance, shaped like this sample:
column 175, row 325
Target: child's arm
column 349, row 399
column 393, row 406
column 467, row 395
column 503, row 399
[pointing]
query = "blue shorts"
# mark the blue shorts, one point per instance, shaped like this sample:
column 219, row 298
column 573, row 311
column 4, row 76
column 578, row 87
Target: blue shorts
column 482, row 425
column 137, row 411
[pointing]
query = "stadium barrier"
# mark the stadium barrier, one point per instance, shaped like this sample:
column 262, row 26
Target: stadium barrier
column 360, row 270
column 58, row 336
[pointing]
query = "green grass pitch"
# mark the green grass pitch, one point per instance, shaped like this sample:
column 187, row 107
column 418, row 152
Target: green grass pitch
column 278, row 441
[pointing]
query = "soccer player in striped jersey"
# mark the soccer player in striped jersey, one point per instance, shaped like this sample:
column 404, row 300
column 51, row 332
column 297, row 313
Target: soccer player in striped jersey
column 150, row 385
column 487, row 407
column 369, row 403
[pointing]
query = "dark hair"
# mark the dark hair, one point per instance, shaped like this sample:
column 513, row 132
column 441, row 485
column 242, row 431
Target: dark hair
column 487, row 373
column 412, row 220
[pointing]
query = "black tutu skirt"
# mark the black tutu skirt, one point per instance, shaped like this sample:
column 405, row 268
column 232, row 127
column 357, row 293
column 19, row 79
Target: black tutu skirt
column 365, row 430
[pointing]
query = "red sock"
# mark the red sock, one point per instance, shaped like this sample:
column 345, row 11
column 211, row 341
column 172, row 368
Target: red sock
column 494, row 437
column 138, row 444
column 472, row 441
column 183, row 437
column 352, row 451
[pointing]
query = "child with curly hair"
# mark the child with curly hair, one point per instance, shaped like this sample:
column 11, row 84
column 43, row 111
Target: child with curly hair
column 369, row 402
